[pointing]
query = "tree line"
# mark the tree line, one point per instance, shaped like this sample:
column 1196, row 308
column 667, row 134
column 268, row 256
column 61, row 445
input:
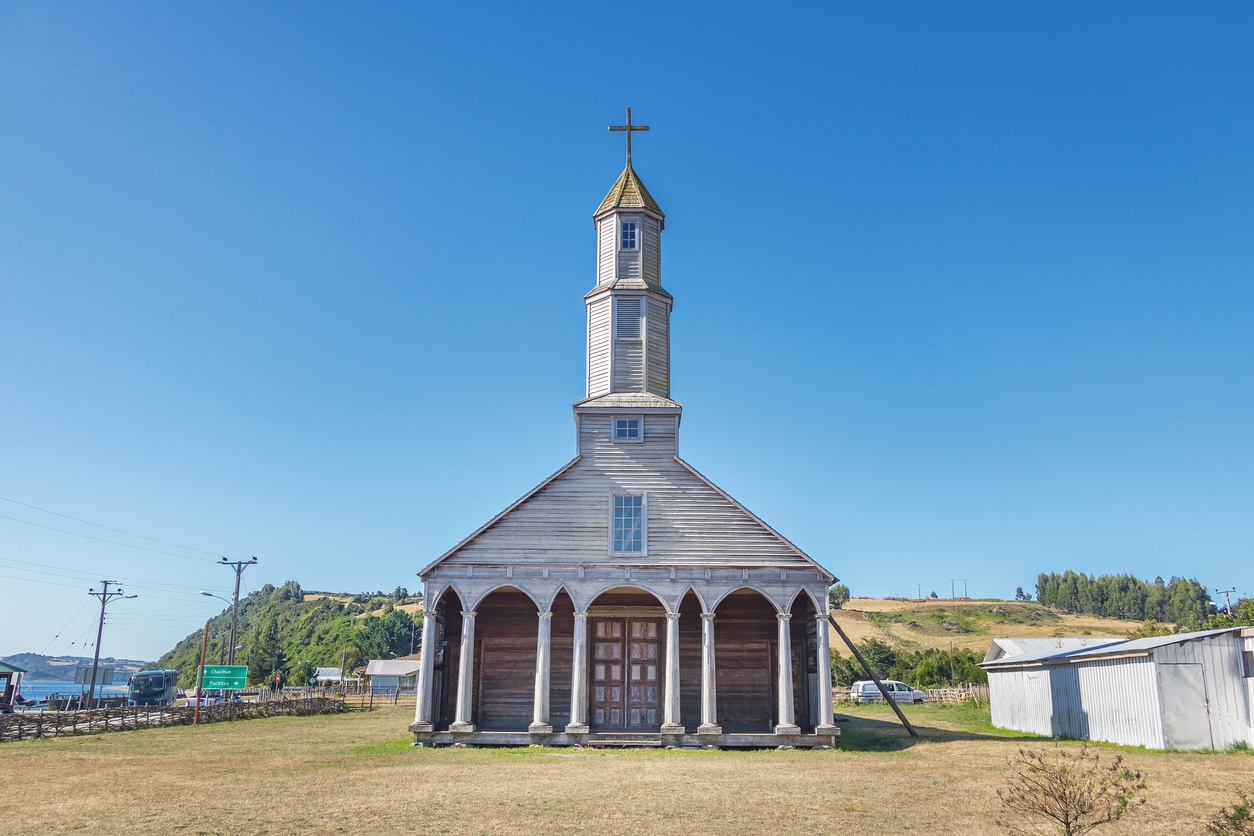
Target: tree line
column 928, row 668
column 1180, row 601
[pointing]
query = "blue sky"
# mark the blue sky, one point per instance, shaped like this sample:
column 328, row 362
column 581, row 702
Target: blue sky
column 962, row 291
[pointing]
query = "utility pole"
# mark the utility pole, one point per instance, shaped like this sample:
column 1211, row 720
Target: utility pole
column 200, row 674
column 952, row 589
column 239, row 566
column 105, row 596
column 413, row 628
column 920, row 586
column 1227, row 600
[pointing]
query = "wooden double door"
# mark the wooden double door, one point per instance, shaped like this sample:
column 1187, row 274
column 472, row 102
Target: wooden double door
column 626, row 673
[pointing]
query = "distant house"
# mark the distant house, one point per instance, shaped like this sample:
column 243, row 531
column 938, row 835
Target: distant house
column 327, row 676
column 1187, row 691
column 389, row 675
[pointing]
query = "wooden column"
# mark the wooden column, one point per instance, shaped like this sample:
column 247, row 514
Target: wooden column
column 670, row 706
column 786, row 724
column 424, row 712
column 540, row 713
column 709, row 697
column 827, row 723
column 465, row 676
column 579, row 678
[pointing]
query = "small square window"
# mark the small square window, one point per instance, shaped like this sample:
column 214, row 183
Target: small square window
column 626, row 429
column 627, row 515
column 629, row 235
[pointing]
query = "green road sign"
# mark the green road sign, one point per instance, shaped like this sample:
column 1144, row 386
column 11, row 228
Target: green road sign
column 225, row 676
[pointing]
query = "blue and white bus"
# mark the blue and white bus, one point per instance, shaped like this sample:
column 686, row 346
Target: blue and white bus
column 152, row 688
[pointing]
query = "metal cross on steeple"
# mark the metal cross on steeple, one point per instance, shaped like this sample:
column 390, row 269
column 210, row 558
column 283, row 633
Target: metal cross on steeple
column 629, row 128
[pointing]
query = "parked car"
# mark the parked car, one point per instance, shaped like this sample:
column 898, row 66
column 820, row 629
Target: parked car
column 865, row 691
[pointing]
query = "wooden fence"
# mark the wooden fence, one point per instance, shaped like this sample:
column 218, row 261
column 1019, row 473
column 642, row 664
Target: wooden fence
column 977, row 694
column 28, row 725
column 381, row 698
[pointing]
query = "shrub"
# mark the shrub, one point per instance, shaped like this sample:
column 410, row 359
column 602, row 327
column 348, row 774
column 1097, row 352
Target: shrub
column 1067, row 792
column 1237, row 820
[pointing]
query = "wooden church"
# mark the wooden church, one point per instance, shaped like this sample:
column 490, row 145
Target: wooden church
column 626, row 598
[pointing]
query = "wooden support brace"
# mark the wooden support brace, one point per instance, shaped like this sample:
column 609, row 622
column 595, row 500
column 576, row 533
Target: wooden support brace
column 874, row 678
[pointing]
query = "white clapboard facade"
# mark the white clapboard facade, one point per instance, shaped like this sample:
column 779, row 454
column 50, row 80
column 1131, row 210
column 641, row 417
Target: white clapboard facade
column 626, row 597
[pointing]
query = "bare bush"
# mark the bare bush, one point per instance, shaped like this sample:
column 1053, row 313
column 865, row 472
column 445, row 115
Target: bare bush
column 1067, row 791
column 1237, row 820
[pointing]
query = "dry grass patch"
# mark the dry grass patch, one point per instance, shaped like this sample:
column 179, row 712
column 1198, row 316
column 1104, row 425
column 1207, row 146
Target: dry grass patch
column 859, row 618
column 357, row 773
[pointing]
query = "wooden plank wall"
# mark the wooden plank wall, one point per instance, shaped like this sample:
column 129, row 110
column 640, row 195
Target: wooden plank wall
column 688, row 522
column 690, row 663
column 651, row 251
column 744, row 641
column 444, row 683
column 505, row 665
column 561, row 651
column 607, row 249
column 657, row 324
column 599, row 347
column 628, row 365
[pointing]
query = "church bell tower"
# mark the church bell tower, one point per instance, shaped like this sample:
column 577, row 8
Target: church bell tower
column 628, row 310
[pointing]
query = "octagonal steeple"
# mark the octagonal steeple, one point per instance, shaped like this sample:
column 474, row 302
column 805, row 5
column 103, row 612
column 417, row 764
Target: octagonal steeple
column 628, row 309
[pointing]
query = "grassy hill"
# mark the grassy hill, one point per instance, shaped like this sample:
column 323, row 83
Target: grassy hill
column 930, row 623
column 286, row 628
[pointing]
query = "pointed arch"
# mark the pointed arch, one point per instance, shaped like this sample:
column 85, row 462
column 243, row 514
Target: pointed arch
column 814, row 602
column 509, row 587
column 438, row 597
column 749, row 587
column 697, row 594
column 552, row 598
column 627, row 587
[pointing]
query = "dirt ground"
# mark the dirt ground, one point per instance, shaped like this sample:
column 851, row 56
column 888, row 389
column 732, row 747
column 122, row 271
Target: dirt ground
column 357, row 773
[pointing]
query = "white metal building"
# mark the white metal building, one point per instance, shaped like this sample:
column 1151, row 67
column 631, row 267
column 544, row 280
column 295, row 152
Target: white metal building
column 1187, row 691
column 387, row 675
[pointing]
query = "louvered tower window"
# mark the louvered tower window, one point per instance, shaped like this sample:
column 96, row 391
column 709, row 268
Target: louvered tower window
column 627, row 318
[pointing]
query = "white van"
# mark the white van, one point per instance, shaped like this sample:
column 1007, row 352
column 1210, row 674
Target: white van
column 864, row 690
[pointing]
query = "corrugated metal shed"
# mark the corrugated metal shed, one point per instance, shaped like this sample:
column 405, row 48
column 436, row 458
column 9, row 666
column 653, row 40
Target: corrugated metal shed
column 393, row 667
column 1185, row 691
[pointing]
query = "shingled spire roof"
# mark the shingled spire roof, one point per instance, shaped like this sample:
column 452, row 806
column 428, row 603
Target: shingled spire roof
column 629, row 193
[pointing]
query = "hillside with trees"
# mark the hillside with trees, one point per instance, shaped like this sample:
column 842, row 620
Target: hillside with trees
column 284, row 628
column 1184, row 603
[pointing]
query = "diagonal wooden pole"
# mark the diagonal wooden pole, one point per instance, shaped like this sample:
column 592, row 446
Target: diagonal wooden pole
column 874, row 678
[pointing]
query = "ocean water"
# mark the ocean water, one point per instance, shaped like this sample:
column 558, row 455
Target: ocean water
column 37, row 689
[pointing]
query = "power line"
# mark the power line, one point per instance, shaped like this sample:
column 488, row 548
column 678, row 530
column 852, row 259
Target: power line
column 63, row 629
column 107, row 528
column 103, row 540
column 74, row 574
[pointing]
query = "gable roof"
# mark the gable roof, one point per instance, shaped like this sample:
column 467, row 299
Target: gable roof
column 1079, row 650
column 691, row 514
column 393, row 667
column 628, row 193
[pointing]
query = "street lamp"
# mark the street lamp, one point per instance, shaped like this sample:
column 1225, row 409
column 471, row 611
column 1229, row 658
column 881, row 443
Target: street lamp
column 222, row 658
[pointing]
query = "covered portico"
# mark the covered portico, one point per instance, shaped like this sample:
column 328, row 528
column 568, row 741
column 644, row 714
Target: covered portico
column 610, row 656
